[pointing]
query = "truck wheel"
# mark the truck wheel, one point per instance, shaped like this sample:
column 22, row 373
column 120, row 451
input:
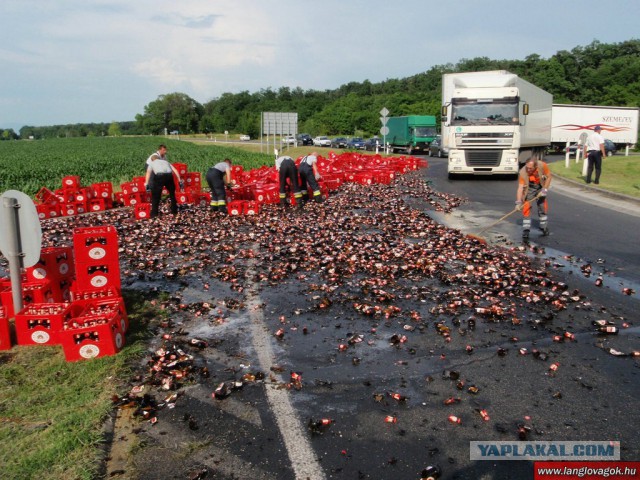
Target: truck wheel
column 439, row 153
column 429, row 153
column 409, row 150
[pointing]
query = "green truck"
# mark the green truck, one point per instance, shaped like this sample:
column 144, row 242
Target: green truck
column 411, row 133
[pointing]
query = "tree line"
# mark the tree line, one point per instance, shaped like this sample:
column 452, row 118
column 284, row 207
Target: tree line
column 596, row 74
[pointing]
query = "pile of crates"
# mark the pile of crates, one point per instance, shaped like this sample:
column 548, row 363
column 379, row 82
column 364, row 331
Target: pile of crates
column 191, row 194
column 71, row 298
column 73, row 198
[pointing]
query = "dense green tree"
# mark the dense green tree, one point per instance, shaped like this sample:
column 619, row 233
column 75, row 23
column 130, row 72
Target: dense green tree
column 595, row 74
column 115, row 130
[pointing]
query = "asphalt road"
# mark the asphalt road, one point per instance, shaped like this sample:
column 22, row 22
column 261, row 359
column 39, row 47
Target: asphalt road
column 386, row 381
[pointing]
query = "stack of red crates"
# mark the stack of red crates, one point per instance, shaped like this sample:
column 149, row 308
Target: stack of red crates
column 100, row 327
column 96, row 255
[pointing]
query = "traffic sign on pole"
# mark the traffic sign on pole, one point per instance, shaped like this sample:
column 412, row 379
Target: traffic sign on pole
column 384, row 131
column 20, row 238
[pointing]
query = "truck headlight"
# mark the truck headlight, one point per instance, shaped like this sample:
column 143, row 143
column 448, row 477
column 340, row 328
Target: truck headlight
column 455, row 159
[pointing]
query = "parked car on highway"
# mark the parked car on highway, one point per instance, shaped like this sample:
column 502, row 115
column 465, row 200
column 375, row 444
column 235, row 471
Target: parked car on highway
column 322, row 141
column 356, row 142
column 245, row 138
column 339, row 142
column 437, row 149
column 609, row 147
column 370, row 144
column 304, row 139
column 289, row 140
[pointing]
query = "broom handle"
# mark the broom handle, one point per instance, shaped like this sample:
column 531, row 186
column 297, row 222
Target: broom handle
column 508, row 214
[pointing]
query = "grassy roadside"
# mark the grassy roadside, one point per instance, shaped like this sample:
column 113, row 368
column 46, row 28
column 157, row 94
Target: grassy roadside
column 620, row 174
column 52, row 412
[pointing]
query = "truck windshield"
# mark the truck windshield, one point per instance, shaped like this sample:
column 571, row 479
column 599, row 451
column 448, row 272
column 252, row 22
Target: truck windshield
column 425, row 131
column 466, row 111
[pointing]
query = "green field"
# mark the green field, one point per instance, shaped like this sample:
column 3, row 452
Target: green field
column 30, row 165
column 620, row 174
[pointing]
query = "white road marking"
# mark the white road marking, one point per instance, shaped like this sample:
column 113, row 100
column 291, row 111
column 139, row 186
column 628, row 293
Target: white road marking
column 303, row 458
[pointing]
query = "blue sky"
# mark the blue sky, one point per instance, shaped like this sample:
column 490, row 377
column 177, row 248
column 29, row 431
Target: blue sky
column 81, row 61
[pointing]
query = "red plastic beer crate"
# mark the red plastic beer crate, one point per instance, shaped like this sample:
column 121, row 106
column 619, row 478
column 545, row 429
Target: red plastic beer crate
column 81, row 206
column 142, row 211
column 184, row 198
column 91, row 336
column 55, row 264
column 192, row 179
column 202, row 199
column 95, row 244
column 109, row 306
column 41, row 323
column 267, row 193
column 46, row 197
column 5, row 333
column 251, row 207
column 37, row 291
column 47, row 211
column 68, row 209
column 118, row 197
column 79, row 294
column 83, row 194
column 99, row 204
column 98, row 277
column 236, row 207
column 181, row 168
column 65, row 195
column 133, row 199
column 129, row 188
column 71, row 182
column 103, row 190
column 364, row 178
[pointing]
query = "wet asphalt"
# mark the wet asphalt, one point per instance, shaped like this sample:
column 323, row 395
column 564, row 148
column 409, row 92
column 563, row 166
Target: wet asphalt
column 352, row 363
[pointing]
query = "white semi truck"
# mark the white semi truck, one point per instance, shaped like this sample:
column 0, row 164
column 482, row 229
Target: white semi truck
column 493, row 121
column 572, row 124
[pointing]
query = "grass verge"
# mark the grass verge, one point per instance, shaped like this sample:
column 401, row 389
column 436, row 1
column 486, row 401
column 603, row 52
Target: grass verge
column 52, row 412
column 620, row 174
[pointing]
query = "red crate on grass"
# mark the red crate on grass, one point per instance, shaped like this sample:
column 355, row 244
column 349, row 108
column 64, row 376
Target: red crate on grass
column 142, row 211
column 98, row 277
column 47, row 211
column 91, row 336
column 92, row 244
column 118, row 197
column 68, row 209
column 236, row 207
column 181, row 168
column 103, row 190
column 5, row 333
column 109, row 306
column 192, row 180
column 55, row 263
column 83, row 194
column 71, row 182
column 46, row 197
column 129, row 188
column 41, row 323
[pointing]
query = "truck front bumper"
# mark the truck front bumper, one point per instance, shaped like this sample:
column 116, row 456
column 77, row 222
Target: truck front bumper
column 483, row 162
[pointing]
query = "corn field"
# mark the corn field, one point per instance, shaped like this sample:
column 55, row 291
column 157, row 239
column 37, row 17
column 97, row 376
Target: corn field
column 28, row 166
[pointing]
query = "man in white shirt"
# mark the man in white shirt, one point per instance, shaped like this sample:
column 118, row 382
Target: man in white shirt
column 593, row 152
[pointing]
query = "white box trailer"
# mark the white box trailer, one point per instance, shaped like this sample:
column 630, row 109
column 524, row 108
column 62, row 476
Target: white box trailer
column 493, row 121
column 572, row 123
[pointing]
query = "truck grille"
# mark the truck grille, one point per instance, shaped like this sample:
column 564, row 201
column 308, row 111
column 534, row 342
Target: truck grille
column 483, row 158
